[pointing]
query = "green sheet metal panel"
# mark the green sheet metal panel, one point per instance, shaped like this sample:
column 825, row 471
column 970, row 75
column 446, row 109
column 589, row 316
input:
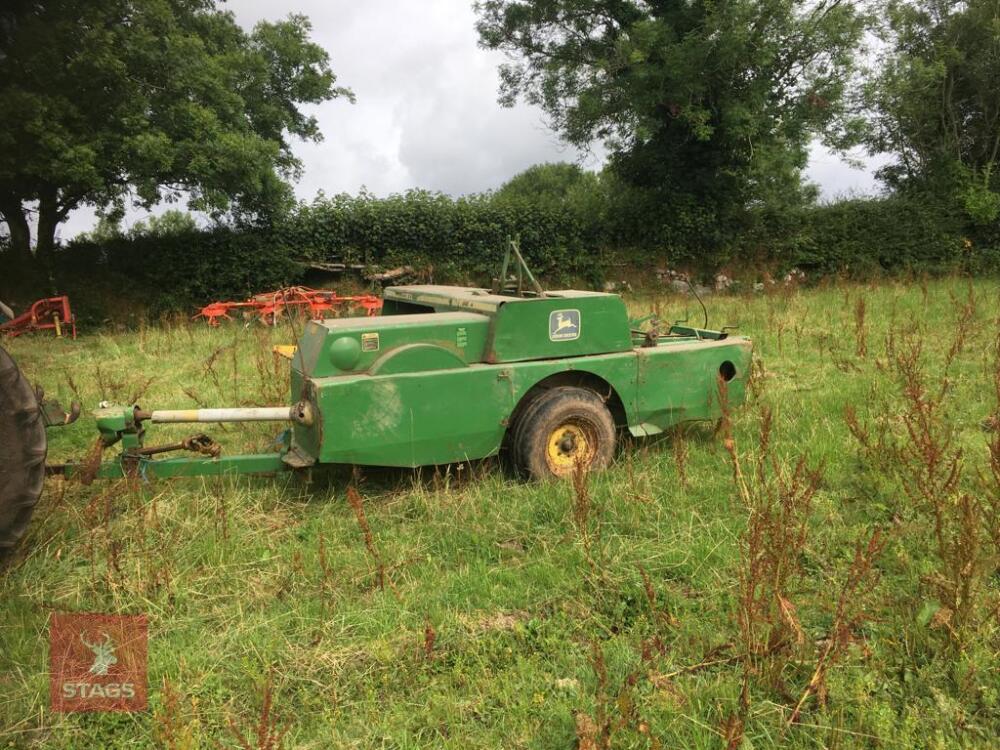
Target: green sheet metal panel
column 441, row 298
column 422, row 418
column 351, row 345
column 417, row 419
column 409, row 419
column 564, row 323
column 556, row 327
column 678, row 381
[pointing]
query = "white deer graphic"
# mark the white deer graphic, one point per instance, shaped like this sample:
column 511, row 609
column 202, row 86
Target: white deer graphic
column 104, row 654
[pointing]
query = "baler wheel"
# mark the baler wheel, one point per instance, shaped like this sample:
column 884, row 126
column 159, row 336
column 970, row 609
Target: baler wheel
column 563, row 427
column 22, row 452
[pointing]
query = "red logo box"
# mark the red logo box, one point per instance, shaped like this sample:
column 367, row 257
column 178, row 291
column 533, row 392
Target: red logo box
column 97, row 662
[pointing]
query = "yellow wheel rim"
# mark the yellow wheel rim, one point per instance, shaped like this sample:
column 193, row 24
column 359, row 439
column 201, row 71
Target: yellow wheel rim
column 567, row 445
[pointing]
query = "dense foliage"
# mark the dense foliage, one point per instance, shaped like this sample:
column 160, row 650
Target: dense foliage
column 608, row 236
column 173, row 272
column 707, row 111
column 457, row 238
column 110, row 100
column 708, row 102
column 935, row 103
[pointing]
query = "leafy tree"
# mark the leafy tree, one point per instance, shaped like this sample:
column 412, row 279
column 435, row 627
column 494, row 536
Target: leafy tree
column 555, row 183
column 716, row 100
column 560, row 187
column 936, row 101
column 107, row 228
column 106, row 100
column 172, row 222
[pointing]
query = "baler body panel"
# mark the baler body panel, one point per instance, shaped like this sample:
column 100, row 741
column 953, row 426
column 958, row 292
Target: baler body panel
column 410, row 419
column 566, row 323
column 416, row 419
column 342, row 346
column 678, row 381
column 438, row 376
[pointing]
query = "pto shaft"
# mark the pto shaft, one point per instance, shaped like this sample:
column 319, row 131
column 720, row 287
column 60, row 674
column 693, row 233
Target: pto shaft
column 300, row 412
column 257, row 414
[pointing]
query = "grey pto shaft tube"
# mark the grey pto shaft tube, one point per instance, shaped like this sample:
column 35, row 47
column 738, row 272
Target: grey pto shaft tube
column 257, row 414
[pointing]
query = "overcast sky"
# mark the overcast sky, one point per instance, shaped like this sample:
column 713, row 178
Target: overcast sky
column 426, row 113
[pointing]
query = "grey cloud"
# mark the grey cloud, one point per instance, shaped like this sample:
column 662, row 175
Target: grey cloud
column 838, row 178
column 426, row 112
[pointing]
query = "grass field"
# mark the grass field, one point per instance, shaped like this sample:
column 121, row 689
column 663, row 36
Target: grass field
column 671, row 602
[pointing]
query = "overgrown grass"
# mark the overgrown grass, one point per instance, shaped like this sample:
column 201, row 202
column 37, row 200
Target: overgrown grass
column 777, row 582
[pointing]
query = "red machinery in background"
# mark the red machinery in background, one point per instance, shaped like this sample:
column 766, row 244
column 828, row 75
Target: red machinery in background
column 268, row 307
column 52, row 313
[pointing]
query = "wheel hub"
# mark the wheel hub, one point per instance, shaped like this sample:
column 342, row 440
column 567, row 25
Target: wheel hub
column 567, row 446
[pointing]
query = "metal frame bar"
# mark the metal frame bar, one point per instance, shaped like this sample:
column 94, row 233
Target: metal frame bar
column 164, row 468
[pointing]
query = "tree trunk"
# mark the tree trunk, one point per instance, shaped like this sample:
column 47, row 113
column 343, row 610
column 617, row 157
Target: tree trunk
column 20, row 232
column 48, row 219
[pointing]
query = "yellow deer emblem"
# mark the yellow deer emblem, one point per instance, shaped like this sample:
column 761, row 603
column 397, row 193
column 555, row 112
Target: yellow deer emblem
column 563, row 322
column 564, row 325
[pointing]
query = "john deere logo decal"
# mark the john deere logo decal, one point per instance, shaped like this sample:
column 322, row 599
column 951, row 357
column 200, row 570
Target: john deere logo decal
column 564, row 325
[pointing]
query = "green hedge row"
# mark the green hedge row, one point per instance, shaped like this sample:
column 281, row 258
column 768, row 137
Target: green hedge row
column 175, row 273
column 462, row 241
column 463, row 237
column 861, row 238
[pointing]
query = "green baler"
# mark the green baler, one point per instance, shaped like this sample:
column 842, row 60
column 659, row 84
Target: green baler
column 451, row 373
column 446, row 374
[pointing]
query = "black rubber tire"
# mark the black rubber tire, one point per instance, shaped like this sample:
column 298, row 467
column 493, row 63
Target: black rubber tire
column 22, row 453
column 563, row 405
column 518, row 438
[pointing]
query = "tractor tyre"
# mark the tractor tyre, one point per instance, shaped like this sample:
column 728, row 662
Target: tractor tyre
column 563, row 427
column 22, row 453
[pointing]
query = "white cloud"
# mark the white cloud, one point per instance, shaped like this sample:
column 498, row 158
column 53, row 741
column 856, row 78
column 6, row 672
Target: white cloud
column 426, row 113
column 840, row 178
